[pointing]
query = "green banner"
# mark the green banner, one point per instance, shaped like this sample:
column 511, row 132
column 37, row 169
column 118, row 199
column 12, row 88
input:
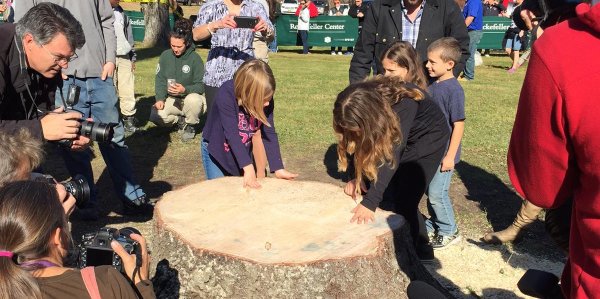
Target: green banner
column 138, row 25
column 341, row 31
column 493, row 32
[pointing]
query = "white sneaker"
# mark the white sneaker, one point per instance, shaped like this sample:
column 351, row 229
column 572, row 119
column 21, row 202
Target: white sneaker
column 440, row 242
column 332, row 52
column 340, row 53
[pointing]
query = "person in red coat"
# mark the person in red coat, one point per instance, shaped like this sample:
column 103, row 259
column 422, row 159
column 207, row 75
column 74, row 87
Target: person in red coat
column 554, row 152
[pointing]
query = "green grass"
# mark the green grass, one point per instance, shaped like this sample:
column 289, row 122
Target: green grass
column 308, row 84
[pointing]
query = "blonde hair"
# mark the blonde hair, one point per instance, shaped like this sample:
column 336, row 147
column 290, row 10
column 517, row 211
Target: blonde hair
column 366, row 125
column 253, row 83
column 15, row 150
column 30, row 213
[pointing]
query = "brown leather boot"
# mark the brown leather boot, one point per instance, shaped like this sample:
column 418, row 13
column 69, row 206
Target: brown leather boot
column 527, row 214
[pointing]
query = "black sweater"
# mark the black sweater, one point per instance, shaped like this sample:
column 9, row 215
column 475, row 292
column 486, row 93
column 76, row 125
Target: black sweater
column 425, row 132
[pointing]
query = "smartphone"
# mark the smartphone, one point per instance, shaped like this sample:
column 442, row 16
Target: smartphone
column 171, row 82
column 245, row 22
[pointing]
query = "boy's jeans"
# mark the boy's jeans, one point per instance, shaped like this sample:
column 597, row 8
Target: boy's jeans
column 439, row 205
column 98, row 100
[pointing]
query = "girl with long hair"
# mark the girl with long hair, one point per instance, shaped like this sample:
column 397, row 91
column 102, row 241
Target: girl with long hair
column 34, row 240
column 395, row 137
column 244, row 109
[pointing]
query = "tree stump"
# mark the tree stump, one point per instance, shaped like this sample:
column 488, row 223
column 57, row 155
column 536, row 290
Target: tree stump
column 289, row 239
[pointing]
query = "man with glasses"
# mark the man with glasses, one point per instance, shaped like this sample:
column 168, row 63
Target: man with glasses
column 33, row 53
column 93, row 72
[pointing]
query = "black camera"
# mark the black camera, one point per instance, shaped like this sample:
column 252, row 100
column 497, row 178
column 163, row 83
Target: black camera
column 95, row 249
column 101, row 132
column 78, row 187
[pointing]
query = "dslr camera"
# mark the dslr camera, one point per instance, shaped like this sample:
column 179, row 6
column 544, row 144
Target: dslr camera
column 100, row 132
column 95, row 249
column 77, row 186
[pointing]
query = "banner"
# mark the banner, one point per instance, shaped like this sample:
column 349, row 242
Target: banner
column 342, row 31
column 330, row 31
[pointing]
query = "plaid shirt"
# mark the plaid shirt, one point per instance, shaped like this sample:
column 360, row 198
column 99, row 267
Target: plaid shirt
column 410, row 30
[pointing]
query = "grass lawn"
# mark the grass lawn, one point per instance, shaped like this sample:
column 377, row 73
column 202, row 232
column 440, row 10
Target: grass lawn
column 306, row 89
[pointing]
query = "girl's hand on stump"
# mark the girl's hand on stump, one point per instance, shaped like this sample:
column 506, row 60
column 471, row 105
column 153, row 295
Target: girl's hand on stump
column 362, row 215
column 284, row 174
column 250, row 177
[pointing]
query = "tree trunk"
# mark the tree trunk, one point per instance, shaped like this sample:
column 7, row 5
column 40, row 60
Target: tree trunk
column 156, row 18
column 289, row 239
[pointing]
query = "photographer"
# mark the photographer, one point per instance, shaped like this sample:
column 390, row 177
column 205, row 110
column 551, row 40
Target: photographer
column 34, row 242
column 32, row 54
column 19, row 155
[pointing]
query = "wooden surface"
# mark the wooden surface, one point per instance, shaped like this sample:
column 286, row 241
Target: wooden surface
column 284, row 222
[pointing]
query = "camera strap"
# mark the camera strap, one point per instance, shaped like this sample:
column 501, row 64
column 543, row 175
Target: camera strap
column 91, row 284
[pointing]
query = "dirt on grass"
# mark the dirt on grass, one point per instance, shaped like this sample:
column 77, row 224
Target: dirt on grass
column 468, row 269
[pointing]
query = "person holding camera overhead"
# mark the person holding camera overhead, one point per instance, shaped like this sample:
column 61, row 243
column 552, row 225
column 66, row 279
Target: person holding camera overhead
column 92, row 73
column 178, row 83
column 231, row 43
column 34, row 243
column 32, row 54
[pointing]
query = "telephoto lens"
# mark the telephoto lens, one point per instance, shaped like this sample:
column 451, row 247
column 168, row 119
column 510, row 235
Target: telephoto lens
column 79, row 188
column 100, row 132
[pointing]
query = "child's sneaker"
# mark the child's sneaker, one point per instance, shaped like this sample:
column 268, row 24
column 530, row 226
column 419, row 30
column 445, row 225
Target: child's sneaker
column 442, row 242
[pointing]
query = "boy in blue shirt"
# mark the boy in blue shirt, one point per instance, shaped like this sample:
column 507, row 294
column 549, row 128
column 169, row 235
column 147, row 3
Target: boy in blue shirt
column 442, row 56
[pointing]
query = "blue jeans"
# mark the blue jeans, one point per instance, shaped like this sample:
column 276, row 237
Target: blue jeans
column 273, row 44
column 439, row 205
column 211, row 168
column 304, row 38
column 98, row 100
column 474, row 38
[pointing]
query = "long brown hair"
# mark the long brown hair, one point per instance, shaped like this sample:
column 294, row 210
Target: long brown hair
column 30, row 212
column 403, row 54
column 366, row 125
column 254, row 82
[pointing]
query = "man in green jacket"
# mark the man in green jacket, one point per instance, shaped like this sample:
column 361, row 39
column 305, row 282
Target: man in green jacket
column 178, row 86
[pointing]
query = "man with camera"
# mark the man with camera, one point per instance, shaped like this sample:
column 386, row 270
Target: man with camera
column 92, row 74
column 32, row 54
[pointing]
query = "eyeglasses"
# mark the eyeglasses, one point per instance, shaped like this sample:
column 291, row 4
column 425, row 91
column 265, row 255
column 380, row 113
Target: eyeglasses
column 60, row 59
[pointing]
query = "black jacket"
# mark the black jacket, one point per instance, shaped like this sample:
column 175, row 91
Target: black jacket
column 354, row 10
column 18, row 85
column 383, row 26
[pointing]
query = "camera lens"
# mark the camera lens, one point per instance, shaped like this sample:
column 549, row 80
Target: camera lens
column 79, row 188
column 100, row 132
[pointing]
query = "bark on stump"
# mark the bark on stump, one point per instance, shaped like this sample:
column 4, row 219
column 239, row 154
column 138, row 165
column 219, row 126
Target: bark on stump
column 289, row 239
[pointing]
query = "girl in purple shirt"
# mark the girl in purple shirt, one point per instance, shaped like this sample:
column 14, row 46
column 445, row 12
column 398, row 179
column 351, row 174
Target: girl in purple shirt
column 245, row 108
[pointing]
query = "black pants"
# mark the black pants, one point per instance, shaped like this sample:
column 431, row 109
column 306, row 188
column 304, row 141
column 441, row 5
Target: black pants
column 406, row 189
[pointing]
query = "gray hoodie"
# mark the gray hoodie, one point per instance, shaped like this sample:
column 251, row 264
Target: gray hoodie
column 96, row 18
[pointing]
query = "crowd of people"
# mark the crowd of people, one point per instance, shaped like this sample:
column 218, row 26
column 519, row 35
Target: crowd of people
column 399, row 131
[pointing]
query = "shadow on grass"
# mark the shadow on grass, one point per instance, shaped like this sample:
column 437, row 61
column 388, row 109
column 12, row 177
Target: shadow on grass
column 501, row 204
column 330, row 160
column 148, row 53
